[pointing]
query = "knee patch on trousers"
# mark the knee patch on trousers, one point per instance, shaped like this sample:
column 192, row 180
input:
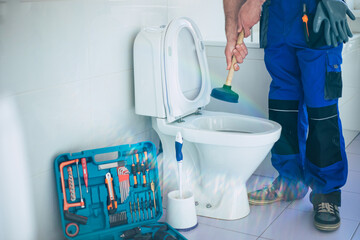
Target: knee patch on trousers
column 285, row 112
column 323, row 144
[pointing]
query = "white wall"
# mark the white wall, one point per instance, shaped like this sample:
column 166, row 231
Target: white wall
column 350, row 101
column 208, row 15
column 67, row 65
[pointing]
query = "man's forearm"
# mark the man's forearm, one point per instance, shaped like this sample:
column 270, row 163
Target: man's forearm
column 231, row 10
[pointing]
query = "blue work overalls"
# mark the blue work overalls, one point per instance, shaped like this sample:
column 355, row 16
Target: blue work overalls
column 303, row 98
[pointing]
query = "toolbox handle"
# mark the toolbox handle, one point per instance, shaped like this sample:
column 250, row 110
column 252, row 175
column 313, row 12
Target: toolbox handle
column 107, row 157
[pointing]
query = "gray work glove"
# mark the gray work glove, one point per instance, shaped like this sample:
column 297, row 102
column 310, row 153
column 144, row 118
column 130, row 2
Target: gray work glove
column 333, row 14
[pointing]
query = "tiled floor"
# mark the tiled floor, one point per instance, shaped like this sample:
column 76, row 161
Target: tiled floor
column 289, row 220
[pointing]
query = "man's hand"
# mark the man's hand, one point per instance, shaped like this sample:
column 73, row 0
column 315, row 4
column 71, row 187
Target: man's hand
column 239, row 15
column 239, row 51
column 249, row 15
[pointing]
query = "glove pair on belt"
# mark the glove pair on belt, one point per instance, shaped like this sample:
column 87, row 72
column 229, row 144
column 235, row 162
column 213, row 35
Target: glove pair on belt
column 333, row 14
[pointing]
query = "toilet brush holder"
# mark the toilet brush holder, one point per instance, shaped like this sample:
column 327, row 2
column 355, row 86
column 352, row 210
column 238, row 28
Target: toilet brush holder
column 181, row 213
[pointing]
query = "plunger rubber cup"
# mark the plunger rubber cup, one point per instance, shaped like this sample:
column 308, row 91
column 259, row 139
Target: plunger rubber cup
column 225, row 94
column 181, row 213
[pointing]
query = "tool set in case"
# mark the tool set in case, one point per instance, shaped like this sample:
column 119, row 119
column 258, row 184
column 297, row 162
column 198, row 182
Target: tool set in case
column 111, row 199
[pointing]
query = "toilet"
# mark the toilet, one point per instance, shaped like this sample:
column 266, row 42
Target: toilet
column 221, row 150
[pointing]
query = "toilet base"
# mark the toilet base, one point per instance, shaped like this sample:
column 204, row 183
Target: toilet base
column 233, row 205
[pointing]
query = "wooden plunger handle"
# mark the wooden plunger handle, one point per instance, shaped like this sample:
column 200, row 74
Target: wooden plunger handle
column 231, row 71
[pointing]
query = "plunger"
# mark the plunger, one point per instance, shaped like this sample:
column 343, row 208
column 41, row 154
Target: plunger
column 225, row 93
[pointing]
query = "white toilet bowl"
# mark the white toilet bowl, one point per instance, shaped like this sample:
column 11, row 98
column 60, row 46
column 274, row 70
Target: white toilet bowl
column 221, row 150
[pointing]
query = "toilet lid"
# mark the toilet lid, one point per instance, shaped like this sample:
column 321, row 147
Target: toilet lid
column 186, row 73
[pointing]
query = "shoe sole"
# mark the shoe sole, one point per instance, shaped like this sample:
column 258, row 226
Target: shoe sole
column 327, row 227
column 263, row 202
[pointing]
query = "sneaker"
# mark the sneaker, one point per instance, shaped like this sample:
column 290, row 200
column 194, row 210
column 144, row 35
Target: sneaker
column 275, row 192
column 327, row 217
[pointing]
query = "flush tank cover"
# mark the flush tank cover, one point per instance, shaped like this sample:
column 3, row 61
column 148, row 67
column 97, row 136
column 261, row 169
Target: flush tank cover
column 186, row 80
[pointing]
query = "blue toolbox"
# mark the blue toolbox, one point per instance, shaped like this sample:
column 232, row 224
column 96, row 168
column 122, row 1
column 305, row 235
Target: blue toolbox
column 112, row 193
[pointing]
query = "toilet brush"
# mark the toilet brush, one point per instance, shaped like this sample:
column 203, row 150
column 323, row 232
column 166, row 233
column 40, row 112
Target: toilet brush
column 180, row 208
column 179, row 158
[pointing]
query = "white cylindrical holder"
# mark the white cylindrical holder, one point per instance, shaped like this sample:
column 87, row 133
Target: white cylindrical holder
column 181, row 213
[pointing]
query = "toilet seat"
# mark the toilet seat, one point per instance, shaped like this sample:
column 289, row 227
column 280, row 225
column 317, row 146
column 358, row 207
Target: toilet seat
column 186, row 82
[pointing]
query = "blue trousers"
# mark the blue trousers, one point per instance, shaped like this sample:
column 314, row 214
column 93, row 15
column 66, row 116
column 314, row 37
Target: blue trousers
column 303, row 98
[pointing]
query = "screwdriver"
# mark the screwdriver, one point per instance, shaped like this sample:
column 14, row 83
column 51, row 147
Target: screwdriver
column 146, row 164
column 85, row 173
column 133, row 171
column 138, row 164
column 143, row 172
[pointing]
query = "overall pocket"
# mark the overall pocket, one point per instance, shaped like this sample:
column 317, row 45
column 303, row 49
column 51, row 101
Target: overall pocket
column 314, row 40
column 333, row 79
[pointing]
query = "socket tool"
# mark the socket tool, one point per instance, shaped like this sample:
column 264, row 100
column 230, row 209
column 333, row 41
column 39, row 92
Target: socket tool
column 71, row 184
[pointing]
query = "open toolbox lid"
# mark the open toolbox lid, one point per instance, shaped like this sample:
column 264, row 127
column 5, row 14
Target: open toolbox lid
column 121, row 191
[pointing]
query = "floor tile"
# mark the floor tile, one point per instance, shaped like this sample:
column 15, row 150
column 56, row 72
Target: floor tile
column 204, row 231
column 298, row 225
column 354, row 146
column 354, row 161
column 350, row 209
column 357, row 137
column 352, row 184
column 303, row 204
column 349, row 136
column 255, row 223
column 357, row 234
